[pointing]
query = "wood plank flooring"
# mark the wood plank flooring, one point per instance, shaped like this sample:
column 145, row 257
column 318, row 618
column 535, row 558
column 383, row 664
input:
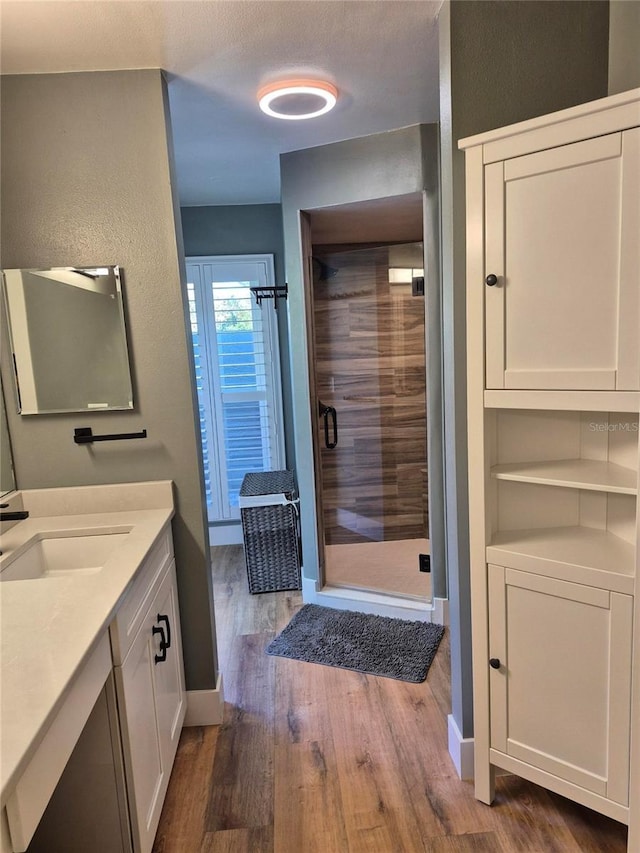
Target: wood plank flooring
column 312, row 759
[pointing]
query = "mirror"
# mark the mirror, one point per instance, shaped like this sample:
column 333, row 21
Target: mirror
column 68, row 338
column 7, row 477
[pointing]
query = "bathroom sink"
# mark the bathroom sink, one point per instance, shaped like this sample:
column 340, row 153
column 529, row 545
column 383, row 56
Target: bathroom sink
column 63, row 553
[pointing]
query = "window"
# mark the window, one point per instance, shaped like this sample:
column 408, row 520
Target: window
column 237, row 362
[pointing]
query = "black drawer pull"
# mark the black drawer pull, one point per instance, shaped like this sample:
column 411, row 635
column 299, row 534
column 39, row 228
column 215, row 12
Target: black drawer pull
column 494, row 663
column 165, row 619
column 163, row 645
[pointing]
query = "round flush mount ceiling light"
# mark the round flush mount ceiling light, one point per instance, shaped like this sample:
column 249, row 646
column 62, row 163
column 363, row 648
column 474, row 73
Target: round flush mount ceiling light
column 297, row 99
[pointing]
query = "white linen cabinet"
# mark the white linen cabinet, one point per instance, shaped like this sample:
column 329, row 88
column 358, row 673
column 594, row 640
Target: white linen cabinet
column 553, row 351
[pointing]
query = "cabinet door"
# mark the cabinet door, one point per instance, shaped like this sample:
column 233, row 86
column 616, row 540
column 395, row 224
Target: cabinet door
column 169, row 677
column 562, row 239
column 152, row 702
column 144, row 765
column 560, row 697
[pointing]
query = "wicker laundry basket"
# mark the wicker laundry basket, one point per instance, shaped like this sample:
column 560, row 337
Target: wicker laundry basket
column 269, row 513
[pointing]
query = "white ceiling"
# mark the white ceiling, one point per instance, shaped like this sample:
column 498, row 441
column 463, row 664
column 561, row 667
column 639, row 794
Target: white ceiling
column 381, row 54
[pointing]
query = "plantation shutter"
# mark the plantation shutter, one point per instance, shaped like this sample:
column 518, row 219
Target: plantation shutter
column 236, row 354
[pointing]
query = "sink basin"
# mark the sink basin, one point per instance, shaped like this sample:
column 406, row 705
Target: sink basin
column 62, row 553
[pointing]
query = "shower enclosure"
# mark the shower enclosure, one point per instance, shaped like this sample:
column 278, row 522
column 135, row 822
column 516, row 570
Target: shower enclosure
column 369, row 345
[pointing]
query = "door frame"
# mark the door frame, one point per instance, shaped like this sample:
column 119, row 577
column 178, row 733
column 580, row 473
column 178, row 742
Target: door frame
column 307, row 251
column 368, row 601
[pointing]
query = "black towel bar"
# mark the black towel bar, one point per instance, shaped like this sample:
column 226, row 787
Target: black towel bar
column 84, row 435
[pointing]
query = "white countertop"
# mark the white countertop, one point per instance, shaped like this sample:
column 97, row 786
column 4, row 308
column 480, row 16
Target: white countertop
column 50, row 625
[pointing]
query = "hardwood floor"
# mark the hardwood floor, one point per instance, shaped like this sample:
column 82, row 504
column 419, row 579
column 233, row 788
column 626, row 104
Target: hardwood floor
column 312, row 759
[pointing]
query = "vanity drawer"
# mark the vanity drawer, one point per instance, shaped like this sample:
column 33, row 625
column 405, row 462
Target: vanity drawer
column 131, row 613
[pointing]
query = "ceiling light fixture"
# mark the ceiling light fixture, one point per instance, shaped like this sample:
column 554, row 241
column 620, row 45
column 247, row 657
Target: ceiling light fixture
column 297, row 99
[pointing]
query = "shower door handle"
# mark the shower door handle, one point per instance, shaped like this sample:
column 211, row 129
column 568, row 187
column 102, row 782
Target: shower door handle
column 327, row 412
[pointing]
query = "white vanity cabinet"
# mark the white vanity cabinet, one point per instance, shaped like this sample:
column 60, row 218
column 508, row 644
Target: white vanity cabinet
column 553, row 377
column 93, row 697
column 150, row 689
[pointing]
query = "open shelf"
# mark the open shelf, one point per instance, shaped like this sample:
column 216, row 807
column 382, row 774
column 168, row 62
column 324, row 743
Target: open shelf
column 572, row 473
column 579, row 554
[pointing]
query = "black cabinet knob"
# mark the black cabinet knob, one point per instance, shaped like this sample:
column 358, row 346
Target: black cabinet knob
column 494, row 663
column 491, row 280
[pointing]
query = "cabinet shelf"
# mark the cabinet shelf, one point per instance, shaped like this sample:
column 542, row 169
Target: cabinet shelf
column 577, row 401
column 572, row 474
column 580, row 554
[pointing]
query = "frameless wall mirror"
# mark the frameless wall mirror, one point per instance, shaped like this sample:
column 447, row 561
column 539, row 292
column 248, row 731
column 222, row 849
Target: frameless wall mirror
column 68, row 338
column 7, row 478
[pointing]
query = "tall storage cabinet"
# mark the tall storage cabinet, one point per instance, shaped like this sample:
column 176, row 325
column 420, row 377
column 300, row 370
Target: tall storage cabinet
column 553, row 324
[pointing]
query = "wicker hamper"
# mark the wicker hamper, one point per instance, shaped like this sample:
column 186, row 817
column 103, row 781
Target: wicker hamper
column 269, row 513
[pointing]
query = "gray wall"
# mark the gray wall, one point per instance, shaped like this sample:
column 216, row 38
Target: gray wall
column 247, row 229
column 500, row 62
column 372, row 167
column 624, row 45
column 86, row 180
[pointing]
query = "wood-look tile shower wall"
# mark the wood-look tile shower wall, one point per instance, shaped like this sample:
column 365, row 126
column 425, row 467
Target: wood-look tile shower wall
column 370, row 365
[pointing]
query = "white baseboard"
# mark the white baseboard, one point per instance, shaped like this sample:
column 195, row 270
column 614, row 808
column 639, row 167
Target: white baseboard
column 460, row 750
column 205, row 707
column 380, row 604
column 225, row 534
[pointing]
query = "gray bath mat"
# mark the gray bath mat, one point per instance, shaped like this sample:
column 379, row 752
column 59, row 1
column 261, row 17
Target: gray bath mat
column 376, row 645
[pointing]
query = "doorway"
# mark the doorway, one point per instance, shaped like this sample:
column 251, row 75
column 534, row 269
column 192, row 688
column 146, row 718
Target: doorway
column 367, row 312
column 237, row 362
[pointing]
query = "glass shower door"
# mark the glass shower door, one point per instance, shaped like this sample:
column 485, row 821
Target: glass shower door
column 371, row 385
